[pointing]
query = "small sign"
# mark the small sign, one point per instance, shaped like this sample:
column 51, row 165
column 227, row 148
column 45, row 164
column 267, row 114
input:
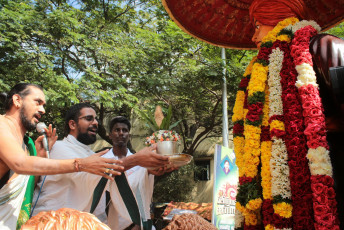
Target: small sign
column 226, row 177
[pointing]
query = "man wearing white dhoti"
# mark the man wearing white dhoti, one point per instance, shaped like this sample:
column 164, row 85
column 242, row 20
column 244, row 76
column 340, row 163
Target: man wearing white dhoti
column 75, row 190
column 24, row 106
column 140, row 179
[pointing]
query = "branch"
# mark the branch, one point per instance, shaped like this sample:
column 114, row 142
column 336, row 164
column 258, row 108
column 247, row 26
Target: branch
column 63, row 69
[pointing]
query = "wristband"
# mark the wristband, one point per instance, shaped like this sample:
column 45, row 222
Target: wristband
column 77, row 165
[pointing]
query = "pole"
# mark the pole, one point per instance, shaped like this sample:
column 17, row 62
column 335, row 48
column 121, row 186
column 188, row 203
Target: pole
column 225, row 135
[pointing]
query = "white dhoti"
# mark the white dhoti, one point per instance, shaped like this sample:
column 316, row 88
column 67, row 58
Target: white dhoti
column 11, row 199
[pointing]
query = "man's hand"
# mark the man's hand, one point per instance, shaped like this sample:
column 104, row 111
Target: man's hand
column 100, row 166
column 147, row 157
column 52, row 138
column 162, row 170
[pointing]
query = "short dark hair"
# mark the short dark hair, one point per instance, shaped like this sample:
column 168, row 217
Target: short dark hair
column 119, row 119
column 73, row 113
column 22, row 89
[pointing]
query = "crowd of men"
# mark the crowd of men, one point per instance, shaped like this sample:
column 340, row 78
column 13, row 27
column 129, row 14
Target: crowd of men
column 115, row 185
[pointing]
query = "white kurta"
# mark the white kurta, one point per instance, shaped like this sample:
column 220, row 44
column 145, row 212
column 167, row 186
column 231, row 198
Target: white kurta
column 141, row 184
column 72, row 190
column 11, row 199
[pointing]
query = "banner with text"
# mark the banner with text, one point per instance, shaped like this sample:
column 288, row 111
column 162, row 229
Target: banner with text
column 226, row 177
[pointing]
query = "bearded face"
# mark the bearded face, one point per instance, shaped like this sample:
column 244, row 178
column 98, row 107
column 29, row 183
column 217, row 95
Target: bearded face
column 88, row 137
column 87, row 126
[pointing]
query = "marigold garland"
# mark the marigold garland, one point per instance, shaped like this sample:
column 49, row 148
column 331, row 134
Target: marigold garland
column 239, row 140
column 291, row 78
column 267, row 208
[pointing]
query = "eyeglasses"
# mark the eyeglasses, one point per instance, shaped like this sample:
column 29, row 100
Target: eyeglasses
column 89, row 118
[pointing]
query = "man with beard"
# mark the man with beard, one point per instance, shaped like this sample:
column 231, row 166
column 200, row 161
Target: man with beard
column 24, row 106
column 75, row 190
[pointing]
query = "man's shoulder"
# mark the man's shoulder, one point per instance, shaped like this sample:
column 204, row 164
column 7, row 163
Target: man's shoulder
column 3, row 122
column 62, row 150
column 6, row 128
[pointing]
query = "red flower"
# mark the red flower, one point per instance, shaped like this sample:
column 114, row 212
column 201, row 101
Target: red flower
column 321, row 198
column 264, row 53
column 320, row 227
column 280, row 222
column 265, row 134
column 257, row 108
column 244, row 180
column 244, row 83
column 238, row 129
column 252, row 117
column 277, row 133
column 318, row 188
column 320, row 209
column 331, row 194
column 245, row 101
column 326, row 219
column 326, row 180
column 268, row 211
column 276, row 117
column 314, row 128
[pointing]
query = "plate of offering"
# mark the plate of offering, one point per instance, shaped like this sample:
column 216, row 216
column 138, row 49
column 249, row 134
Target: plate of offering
column 176, row 160
column 180, row 159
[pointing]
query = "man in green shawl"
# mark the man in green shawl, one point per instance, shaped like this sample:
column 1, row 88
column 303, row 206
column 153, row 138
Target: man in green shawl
column 24, row 106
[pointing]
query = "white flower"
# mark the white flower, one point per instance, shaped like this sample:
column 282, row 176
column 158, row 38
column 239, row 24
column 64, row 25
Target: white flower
column 306, row 75
column 304, row 23
column 319, row 161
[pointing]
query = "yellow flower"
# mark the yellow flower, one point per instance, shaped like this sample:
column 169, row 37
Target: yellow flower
column 266, row 109
column 283, row 209
column 269, row 227
column 238, row 110
column 271, row 36
column 245, row 112
column 251, row 171
column 258, row 79
column 266, row 173
column 238, row 146
column 276, row 124
column 251, row 129
column 248, row 70
column 251, row 218
column 284, row 38
column 254, row 204
column 240, row 207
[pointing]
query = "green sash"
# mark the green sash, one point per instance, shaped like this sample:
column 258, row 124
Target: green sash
column 127, row 196
column 24, row 214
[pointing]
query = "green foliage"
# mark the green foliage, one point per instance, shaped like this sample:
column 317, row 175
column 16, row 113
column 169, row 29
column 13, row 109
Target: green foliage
column 175, row 186
column 248, row 191
column 337, row 30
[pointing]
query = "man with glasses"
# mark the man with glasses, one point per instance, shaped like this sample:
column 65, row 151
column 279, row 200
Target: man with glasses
column 75, row 190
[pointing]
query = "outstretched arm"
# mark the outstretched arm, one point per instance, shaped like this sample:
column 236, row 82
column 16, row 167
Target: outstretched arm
column 13, row 156
column 146, row 157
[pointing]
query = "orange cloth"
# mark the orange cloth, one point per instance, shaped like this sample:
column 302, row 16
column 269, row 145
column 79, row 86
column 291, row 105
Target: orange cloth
column 270, row 12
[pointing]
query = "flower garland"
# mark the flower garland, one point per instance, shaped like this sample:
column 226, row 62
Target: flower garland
column 291, row 78
column 281, row 190
column 267, row 208
column 280, row 183
column 324, row 203
column 295, row 143
column 240, row 111
column 250, row 201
